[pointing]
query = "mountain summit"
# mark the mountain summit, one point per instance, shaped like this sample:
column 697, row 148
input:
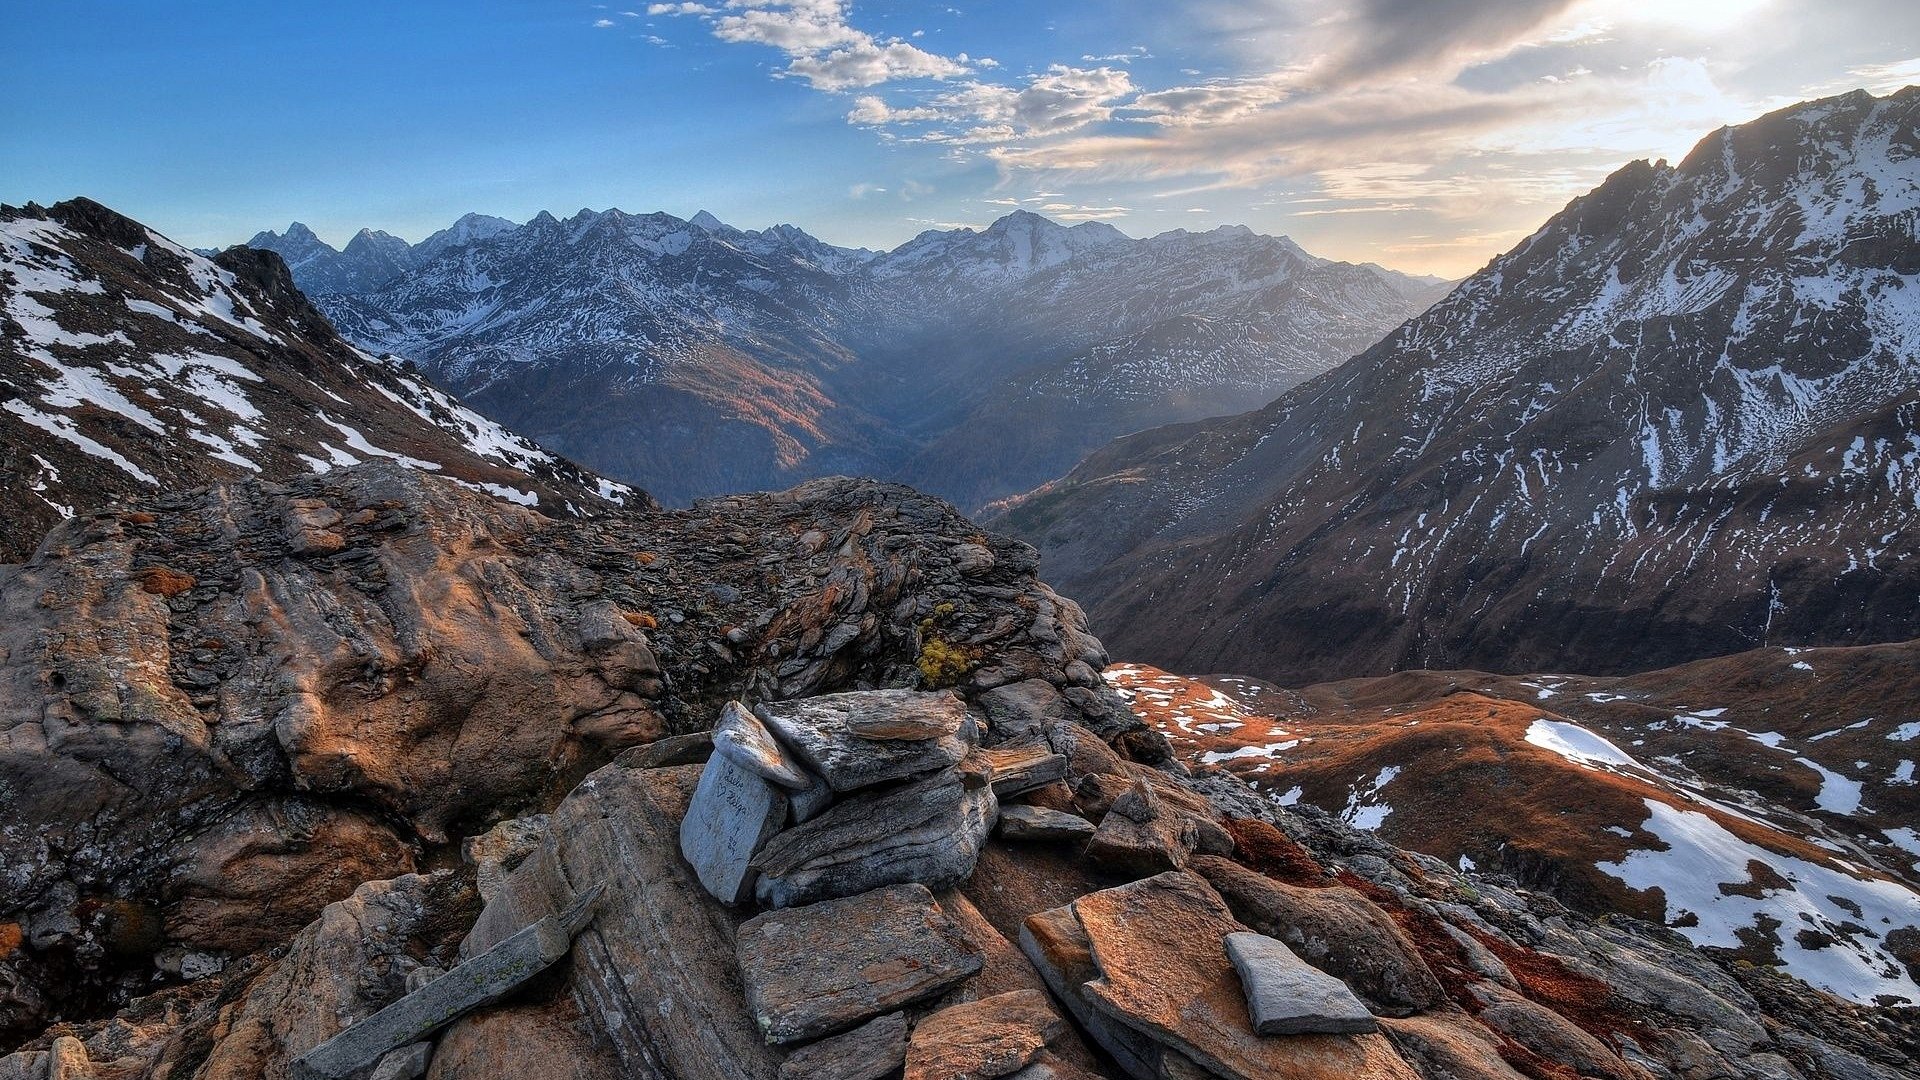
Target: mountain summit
column 1680, row 420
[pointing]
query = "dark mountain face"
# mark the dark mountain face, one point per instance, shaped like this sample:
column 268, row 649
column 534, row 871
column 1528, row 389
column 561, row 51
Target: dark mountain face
column 699, row 358
column 1681, row 420
column 129, row 364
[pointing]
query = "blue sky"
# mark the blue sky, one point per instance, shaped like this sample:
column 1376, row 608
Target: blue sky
column 1423, row 134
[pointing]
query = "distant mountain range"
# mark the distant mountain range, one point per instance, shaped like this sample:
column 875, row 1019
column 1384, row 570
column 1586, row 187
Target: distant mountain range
column 1680, row 420
column 130, row 365
column 694, row 358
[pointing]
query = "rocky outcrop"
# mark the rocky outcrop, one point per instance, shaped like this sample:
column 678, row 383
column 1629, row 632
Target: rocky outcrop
column 214, row 727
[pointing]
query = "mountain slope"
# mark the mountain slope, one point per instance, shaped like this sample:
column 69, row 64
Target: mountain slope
column 1681, row 420
column 695, row 357
column 129, row 364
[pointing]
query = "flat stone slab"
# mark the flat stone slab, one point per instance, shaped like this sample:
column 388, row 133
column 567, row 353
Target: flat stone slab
column 868, row 1052
column 735, row 810
column 821, row 732
column 1288, row 996
column 1164, row 971
column 473, row 983
column 828, row 967
column 929, row 831
column 991, row 1037
column 740, row 735
column 1041, row 825
column 1025, row 767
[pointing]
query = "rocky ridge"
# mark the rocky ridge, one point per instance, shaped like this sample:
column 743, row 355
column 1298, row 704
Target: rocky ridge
column 131, row 366
column 692, row 358
column 256, row 877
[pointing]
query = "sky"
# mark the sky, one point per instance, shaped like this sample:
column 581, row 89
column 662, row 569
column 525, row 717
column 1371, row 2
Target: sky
column 1425, row 135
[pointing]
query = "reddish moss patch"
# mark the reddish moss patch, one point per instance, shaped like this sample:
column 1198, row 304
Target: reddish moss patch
column 642, row 619
column 138, row 517
column 1273, row 853
column 10, row 938
column 161, row 581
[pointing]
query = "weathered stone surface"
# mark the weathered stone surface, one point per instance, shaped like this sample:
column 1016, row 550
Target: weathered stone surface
column 689, row 749
column 740, row 735
column 1549, row 1034
column 656, row 974
column 25, row 1065
column 1288, row 996
column 922, row 721
column 811, row 801
column 868, row 1052
column 928, row 831
column 1165, row 972
column 406, row 1063
column 1051, row 1066
column 1336, row 930
column 1448, row 1048
column 1129, row 846
column 981, row 1040
column 1024, row 767
column 819, row 731
column 823, row 968
column 544, row 1040
column 1060, row 950
column 494, row 853
column 67, row 1060
column 735, row 810
column 1037, row 823
column 473, row 983
column 1024, row 708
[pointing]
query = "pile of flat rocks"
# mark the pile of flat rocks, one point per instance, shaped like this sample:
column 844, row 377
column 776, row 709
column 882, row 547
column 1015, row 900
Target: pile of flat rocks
column 831, row 796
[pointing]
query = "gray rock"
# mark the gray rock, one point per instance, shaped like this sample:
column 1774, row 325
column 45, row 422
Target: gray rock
column 868, row 1052
column 494, row 853
column 665, row 753
column 812, row 802
column 1038, row 823
column 406, row 1063
column 740, row 735
column 929, row 831
column 827, row 967
column 473, row 983
column 1288, row 996
column 735, row 810
column 1024, row 708
column 820, row 732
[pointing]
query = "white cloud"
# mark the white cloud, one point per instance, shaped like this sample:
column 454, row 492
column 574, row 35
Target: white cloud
column 822, row 46
column 602, row 24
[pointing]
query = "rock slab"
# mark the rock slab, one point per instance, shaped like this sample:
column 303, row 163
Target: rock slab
column 735, row 810
column 929, row 831
column 1288, row 996
column 1037, row 823
column 827, row 967
column 980, row 1040
column 821, row 732
column 740, row 735
column 868, row 1052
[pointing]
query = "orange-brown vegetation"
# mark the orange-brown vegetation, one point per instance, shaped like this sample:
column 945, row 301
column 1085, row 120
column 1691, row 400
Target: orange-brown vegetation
column 160, row 581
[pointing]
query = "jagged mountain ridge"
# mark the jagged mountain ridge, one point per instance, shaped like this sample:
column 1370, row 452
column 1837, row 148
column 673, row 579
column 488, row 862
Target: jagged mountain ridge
column 129, row 364
column 699, row 358
column 1680, row 420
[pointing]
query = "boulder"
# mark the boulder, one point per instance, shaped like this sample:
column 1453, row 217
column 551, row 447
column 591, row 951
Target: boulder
column 820, row 731
column 544, row 1040
column 1336, row 930
column 1549, row 1034
column 981, row 1040
column 1164, row 972
column 494, row 853
column 1037, row 823
column 827, row 967
column 735, row 810
column 1288, row 996
column 928, row 831
column 873, row 1050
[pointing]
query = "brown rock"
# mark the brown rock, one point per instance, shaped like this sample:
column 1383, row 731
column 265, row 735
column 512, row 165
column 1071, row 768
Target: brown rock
column 984, row 1039
column 1165, row 972
column 1023, row 767
column 1336, row 930
column 826, row 967
column 1448, row 1047
column 1549, row 1034
column 1047, row 1065
column 546, row 1040
column 868, row 1052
